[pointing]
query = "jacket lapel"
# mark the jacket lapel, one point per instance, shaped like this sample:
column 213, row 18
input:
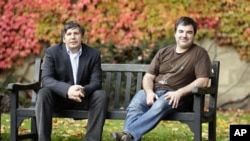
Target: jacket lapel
column 81, row 64
column 67, row 63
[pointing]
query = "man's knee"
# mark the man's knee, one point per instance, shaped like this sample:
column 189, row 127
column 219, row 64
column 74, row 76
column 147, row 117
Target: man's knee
column 44, row 93
column 101, row 94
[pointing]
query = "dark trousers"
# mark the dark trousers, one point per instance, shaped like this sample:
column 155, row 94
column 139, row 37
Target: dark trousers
column 48, row 102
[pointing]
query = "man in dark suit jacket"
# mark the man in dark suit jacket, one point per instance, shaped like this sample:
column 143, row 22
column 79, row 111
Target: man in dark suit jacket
column 71, row 79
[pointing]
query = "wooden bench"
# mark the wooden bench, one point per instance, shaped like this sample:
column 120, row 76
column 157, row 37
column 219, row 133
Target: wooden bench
column 121, row 82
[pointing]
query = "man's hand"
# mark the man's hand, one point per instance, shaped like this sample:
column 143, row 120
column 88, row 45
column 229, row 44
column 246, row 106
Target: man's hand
column 151, row 97
column 76, row 93
column 174, row 98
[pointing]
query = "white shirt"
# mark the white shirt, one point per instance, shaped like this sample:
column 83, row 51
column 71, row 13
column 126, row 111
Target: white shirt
column 74, row 59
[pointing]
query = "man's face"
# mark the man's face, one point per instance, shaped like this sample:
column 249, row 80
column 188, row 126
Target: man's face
column 184, row 36
column 72, row 39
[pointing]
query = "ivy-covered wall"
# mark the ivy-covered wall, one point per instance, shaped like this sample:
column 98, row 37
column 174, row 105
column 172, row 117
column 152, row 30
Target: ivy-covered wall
column 120, row 25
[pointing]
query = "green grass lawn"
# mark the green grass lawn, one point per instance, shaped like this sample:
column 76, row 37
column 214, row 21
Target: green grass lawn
column 70, row 130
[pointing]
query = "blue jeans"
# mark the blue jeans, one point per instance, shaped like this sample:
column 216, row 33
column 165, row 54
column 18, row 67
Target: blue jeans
column 142, row 118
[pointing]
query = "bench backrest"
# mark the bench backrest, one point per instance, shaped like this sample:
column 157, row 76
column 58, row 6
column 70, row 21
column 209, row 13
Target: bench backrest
column 122, row 81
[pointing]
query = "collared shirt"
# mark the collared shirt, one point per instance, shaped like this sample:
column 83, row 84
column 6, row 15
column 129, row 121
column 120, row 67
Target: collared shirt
column 74, row 59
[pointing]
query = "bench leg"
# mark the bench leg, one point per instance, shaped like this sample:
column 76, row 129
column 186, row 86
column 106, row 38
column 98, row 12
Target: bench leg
column 196, row 128
column 197, row 132
column 212, row 130
column 13, row 119
column 34, row 129
column 13, row 129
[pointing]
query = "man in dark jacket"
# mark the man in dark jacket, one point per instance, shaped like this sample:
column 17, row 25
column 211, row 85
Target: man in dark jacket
column 71, row 79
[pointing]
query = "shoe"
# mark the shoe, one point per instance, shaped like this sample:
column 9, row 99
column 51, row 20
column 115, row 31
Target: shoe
column 116, row 136
column 127, row 137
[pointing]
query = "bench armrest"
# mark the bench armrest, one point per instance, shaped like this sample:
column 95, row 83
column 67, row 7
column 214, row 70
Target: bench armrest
column 20, row 86
column 199, row 100
column 203, row 91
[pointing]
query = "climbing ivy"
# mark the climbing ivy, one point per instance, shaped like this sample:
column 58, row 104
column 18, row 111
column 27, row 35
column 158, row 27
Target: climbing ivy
column 119, row 25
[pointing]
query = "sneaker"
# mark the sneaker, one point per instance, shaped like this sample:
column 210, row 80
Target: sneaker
column 116, row 136
column 127, row 137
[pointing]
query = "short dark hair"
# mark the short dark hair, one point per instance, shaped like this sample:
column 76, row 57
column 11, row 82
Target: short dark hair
column 186, row 21
column 69, row 25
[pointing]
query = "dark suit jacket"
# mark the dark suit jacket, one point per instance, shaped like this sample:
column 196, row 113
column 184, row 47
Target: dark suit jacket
column 57, row 71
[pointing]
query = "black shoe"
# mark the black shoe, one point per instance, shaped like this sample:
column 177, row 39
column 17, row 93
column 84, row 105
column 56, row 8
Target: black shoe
column 127, row 137
column 116, row 136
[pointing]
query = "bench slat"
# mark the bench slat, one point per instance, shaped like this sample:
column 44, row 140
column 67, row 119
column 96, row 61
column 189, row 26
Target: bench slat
column 128, row 88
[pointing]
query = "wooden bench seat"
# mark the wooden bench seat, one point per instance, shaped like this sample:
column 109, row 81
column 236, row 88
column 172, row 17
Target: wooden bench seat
column 121, row 82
